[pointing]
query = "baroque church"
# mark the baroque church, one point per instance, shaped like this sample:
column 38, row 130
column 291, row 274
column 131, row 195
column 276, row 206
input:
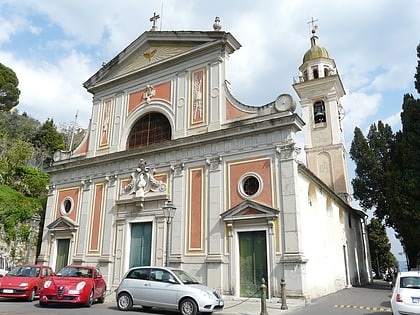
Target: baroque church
column 167, row 133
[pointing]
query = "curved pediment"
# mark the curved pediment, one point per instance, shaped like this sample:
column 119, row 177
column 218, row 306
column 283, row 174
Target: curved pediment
column 249, row 209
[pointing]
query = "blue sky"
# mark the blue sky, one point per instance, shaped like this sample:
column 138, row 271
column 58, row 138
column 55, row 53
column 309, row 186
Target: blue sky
column 55, row 46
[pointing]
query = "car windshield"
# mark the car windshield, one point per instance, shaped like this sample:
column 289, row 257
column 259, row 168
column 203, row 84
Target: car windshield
column 75, row 272
column 24, row 271
column 185, row 277
column 410, row 282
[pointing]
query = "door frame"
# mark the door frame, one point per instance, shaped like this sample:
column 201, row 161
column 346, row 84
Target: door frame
column 235, row 260
column 127, row 241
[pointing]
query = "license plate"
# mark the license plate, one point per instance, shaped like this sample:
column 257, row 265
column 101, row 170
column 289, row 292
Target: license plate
column 7, row 291
column 415, row 300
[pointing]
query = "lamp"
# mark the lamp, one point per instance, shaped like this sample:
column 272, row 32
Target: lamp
column 34, row 221
column 168, row 212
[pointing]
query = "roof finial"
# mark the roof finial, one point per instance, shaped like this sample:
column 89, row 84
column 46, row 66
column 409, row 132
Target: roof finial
column 216, row 25
column 153, row 19
column 313, row 31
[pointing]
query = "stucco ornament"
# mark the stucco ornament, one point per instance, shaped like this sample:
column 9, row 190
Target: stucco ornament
column 142, row 181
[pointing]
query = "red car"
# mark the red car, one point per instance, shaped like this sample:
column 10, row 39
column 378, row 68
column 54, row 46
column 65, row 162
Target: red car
column 74, row 285
column 24, row 281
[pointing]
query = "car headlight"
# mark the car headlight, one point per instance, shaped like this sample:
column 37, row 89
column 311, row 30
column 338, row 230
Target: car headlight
column 47, row 284
column 80, row 285
column 24, row 284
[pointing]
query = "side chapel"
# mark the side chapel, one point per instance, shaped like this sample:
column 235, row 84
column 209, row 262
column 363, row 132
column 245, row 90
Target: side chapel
column 165, row 127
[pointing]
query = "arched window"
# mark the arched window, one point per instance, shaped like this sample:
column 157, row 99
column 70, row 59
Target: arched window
column 315, row 72
column 151, row 128
column 319, row 112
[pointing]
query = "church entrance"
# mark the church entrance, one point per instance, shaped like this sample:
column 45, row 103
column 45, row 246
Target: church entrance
column 141, row 244
column 63, row 247
column 252, row 262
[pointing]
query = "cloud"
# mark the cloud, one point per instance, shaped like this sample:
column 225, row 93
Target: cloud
column 53, row 90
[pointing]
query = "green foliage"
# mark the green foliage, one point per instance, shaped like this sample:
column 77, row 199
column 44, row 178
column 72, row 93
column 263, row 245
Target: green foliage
column 9, row 92
column 380, row 247
column 15, row 210
column 388, row 176
column 417, row 75
column 47, row 139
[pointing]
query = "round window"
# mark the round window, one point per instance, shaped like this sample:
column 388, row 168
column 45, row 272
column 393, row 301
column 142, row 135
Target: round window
column 250, row 185
column 67, row 206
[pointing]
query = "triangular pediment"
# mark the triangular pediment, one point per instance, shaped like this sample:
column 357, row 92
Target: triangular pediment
column 154, row 48
column 62, row 224
column 249, row 209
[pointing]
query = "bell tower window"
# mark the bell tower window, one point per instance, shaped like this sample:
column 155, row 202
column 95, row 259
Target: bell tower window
column 319, row 112
column 315, row 72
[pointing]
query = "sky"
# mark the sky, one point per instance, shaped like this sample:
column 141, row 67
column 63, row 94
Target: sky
column 55, row 46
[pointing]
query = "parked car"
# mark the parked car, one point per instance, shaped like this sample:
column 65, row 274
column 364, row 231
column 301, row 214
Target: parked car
column 74, row 285
column 405, row 297
column 166, row 288
column 24, row 281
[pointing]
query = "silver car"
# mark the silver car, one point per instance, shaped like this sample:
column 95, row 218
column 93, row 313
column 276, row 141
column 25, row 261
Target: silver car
column 166, row 288
column 405, row 299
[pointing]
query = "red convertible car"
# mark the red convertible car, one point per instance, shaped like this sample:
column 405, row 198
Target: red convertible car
column 74, row 285
column 24, row 281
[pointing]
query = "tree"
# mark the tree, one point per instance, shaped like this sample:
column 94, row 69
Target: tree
column 15, row 211
column 417, row 75
column 388, row 174
column 404, row 182
column 9, row 92
column 47, row 139
column 380, row 247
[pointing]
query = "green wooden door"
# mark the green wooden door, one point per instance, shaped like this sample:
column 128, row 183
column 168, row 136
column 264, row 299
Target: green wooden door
column 63, row 246
column 253, row 262
column 141, row 244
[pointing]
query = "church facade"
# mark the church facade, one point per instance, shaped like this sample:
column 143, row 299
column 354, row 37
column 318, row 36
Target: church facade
column 166, row 131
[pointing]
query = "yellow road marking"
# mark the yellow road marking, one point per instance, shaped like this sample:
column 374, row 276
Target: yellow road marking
column 380, row 309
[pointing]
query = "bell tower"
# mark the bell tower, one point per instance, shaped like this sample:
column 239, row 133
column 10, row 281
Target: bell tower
column 320, row 90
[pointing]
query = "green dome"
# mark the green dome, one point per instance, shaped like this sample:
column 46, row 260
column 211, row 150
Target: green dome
column 314, row 53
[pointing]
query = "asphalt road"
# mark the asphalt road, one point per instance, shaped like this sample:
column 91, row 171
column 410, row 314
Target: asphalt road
column 371, row 299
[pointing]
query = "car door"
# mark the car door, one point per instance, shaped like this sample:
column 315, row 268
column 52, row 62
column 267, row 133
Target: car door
column 161, row 291
column 100, row 285
column 136, row 282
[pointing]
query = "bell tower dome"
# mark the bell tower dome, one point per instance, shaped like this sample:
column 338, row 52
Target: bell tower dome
column 320, row 90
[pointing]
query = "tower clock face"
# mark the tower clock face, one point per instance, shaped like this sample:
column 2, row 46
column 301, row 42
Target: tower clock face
column 285, row 103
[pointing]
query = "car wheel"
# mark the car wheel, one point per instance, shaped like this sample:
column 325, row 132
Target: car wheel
column 90, row 299
column 124, row 302
column 101, row 299
column 188, row 307
column 31, row 296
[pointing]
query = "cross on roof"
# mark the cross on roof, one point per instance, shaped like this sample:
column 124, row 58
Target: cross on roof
column 153, row 19
column 314, row 27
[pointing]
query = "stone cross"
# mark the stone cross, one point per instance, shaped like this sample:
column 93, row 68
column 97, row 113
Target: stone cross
column 153, row 19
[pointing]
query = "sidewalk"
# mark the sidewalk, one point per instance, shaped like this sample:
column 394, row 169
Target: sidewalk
column 252, row 306
column 241, row 306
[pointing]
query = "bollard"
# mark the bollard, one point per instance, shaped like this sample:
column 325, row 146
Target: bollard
column 283, row 294
column 263, row 298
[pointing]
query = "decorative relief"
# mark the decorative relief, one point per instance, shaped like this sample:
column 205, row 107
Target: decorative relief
column 111, row 179
column 288, row 151
column 149, row 92
column 178, row 168
column 198, row 96
column 142, row 182
column 214, row 162
column 50, row 189
column 86, row 183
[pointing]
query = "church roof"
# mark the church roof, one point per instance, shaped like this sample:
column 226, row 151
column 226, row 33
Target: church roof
column 315, row 52
column 155, row 48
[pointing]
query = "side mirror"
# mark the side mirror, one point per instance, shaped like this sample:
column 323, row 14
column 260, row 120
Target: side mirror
column 99, row 276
